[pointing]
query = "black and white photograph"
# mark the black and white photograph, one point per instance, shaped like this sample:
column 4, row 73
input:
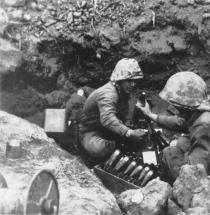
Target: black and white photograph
column 105, row 107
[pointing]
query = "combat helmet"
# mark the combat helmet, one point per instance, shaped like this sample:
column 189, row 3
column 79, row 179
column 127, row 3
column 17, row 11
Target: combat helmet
column 126, row 68
column 187, row 90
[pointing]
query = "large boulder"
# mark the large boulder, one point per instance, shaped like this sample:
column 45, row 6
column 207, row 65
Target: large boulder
column 150, row 200
column 81, row 192
column 11, row 125
column 191, row 189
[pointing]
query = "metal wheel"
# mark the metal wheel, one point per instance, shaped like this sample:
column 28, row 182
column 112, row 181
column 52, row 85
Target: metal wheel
column 43, row 195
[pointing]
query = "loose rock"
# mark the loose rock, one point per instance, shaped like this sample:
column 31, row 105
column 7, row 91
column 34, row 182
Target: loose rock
column 155, row 195
column 192, row 188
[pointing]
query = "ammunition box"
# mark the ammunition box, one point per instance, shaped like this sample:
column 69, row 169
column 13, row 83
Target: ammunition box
column 54, row 121
column 113, row 183
column 130, row 173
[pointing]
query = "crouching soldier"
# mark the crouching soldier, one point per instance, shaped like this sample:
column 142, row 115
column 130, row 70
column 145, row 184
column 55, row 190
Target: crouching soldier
column 187, row 92
column 105, row 109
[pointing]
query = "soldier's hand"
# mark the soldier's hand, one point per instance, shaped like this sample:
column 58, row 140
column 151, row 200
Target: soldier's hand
column 145, row 109
column 137, row 134
column 173, row 142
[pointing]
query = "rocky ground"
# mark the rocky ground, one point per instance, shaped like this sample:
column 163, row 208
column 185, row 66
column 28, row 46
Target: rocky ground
column 50, row 48
column 81, row 192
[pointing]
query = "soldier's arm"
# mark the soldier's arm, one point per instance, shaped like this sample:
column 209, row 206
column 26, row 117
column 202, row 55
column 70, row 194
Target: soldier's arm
column 107, row 104
column 174, row 123
column 200, row 146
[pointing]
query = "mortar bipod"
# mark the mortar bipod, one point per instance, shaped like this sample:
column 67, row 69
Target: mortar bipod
column 41, row 197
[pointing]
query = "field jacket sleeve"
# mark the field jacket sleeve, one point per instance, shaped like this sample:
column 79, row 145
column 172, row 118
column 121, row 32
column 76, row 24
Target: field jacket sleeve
column 174, row 123
column 200, row 146
column 107, row 104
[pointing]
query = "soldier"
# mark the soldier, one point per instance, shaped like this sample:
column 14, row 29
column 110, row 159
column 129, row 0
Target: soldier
column 187, row 92
column 105, row 109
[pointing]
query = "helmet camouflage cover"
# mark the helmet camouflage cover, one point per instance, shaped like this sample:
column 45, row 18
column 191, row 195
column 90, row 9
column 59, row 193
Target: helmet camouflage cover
column 126, row 68
column 186, row 89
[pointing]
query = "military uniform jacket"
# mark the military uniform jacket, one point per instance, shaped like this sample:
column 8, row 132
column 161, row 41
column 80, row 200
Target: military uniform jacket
column 196, row 144
column 103, row 111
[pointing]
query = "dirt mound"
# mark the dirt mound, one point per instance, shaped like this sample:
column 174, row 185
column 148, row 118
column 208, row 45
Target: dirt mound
column 69, row 44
